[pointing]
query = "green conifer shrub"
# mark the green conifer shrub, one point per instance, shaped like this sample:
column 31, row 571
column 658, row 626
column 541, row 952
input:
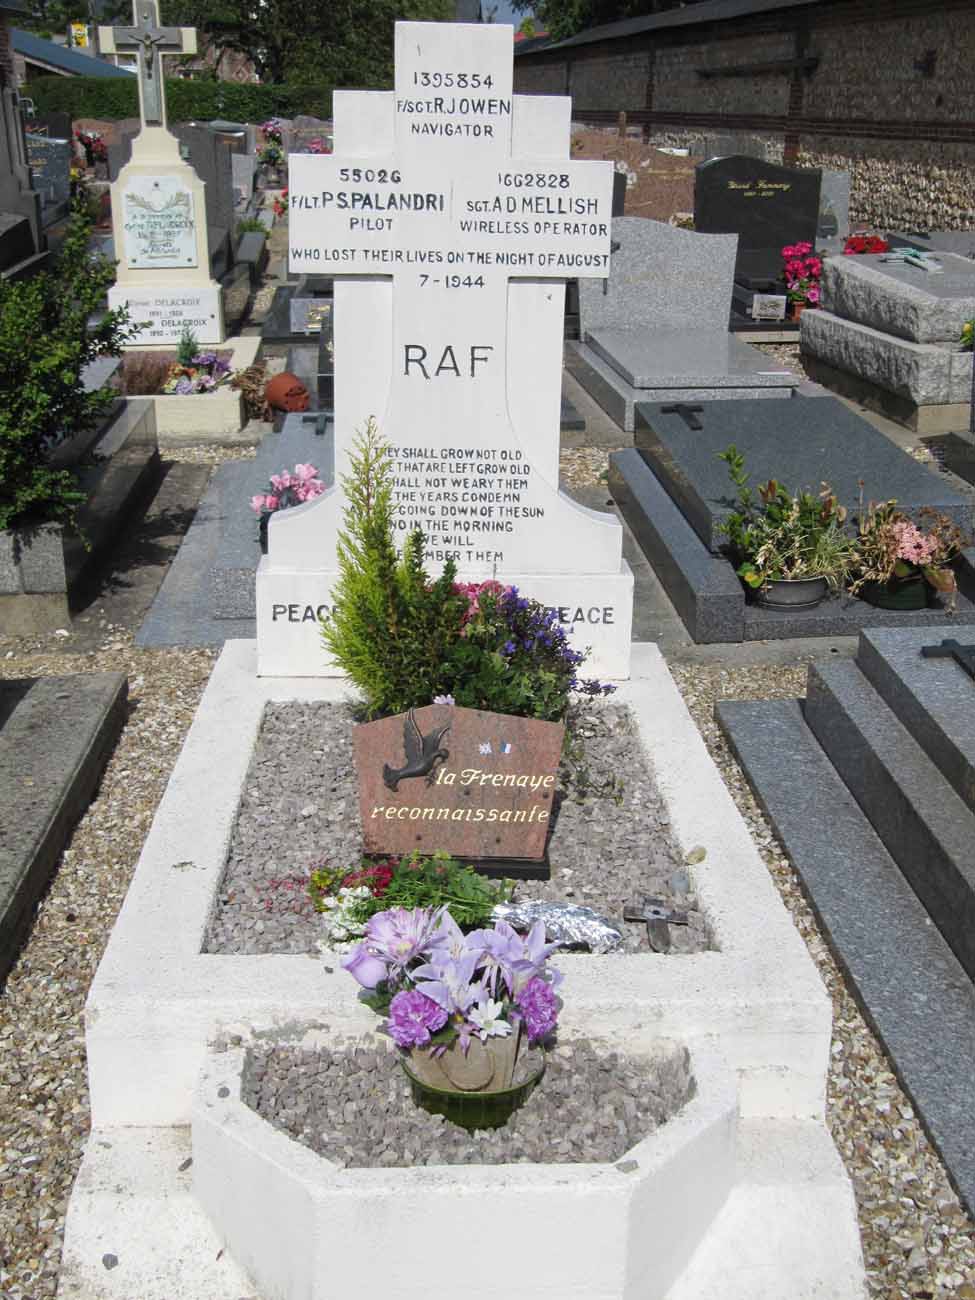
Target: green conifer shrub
column 392, row 627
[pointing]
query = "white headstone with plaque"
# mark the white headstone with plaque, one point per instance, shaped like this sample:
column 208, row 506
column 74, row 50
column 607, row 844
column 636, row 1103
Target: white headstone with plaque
column 158, row 206
column 452, row 208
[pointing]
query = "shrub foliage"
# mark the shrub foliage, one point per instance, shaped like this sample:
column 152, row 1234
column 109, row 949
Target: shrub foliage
column 46, row 340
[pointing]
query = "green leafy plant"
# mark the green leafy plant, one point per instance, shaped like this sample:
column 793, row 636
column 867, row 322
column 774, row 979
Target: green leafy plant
column 46, row 339
column 414, row 881
column 392, row 627
column 111, row 98
column 187, row 347
column 779, row 535
column 968, row 335
column 250, row 226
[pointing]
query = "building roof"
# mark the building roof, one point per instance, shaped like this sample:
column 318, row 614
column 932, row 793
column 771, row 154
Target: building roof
column 60, row 58
column 710, row 11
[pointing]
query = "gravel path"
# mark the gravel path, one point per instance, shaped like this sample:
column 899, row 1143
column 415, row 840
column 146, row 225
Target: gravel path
column 354, row 1106
column 610, row 844
column 919, row 1244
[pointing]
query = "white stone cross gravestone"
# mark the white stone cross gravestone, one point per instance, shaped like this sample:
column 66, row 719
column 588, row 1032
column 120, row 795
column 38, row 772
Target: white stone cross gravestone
column 158, row 205
column 451, row 207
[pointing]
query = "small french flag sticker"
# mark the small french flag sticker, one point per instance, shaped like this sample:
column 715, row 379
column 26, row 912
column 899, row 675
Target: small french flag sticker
column 505, row 747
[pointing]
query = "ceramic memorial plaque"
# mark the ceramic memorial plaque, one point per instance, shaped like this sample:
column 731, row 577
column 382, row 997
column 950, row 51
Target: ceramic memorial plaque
column 455, row 212
column 159, row 222
column 477, row 785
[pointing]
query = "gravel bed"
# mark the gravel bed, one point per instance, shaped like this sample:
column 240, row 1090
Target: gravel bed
column 354, row 1106
column 610, row 843
column 584, row 466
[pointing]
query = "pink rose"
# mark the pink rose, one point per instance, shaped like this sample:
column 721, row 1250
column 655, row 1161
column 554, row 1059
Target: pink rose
column 271, row 502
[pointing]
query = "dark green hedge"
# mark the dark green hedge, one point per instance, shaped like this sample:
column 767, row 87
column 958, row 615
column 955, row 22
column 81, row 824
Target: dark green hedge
column 111, row 97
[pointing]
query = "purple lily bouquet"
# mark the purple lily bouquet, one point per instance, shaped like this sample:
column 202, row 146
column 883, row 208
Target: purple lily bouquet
column 454, row 999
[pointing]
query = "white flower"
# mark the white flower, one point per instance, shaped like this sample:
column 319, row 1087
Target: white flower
column 485, row 748
column 487, row 1017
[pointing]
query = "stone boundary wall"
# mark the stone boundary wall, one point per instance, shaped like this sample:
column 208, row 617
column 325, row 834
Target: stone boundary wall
column 880, row 88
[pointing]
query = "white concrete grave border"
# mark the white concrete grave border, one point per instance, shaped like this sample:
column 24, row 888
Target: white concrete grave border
column 623, row 1229
column 157, row 1003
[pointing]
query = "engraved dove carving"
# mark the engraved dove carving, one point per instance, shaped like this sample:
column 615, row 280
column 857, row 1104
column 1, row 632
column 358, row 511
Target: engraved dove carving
column 422, row 753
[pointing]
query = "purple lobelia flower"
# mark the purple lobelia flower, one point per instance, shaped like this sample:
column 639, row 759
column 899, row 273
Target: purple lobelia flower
column 413, row 1017
column 400, row 934
column 539, row 1008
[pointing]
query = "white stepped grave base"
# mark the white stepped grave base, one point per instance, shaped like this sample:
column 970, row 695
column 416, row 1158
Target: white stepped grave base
column 298, row 1224
column 157, row 1001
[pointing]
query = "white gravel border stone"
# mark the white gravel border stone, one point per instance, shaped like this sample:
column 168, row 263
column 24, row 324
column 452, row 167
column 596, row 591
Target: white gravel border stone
column 758, row 1002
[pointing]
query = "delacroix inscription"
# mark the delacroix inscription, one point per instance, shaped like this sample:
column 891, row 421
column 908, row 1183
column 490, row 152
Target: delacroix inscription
column 473, row 783
column 159, row 223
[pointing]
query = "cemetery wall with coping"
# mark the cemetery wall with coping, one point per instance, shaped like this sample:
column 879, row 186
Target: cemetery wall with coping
column 905, row 135
column 678, row 88
column 157, row 998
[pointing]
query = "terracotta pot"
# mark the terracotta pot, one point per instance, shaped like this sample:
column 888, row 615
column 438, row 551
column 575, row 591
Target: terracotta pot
column 796, row 309
column 286, row 392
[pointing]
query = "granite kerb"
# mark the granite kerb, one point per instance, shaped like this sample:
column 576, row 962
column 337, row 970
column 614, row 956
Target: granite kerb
column 759, row 998
column 904, row 301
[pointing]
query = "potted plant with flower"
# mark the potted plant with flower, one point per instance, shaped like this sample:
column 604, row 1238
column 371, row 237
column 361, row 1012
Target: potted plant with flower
column 788, row 548
column 802, row 270
column 900, row 562
column 289, row 488
column 466, row 1010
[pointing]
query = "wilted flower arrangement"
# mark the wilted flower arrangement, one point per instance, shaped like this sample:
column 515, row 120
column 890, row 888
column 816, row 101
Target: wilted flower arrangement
column 891, row 548
column 439, row 985
column 802, row 269
column 204, row 372
column 289, row 488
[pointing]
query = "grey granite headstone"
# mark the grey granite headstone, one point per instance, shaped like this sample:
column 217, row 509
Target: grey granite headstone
column 243, row 167
column 210, row 158
column 661, row 278
column 896, row 298
column 834, row 206
column 799, row 443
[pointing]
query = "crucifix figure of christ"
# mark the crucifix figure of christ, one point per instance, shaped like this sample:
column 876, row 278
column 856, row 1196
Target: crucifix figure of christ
column 150, row 41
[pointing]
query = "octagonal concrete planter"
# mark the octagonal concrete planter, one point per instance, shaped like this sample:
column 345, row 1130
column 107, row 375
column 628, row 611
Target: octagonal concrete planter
column 306, row 1229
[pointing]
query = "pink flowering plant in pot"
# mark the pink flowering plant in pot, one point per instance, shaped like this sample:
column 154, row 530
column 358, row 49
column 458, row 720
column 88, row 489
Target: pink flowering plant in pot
column 802, row 270
column 461, row 1007
column 289, row 488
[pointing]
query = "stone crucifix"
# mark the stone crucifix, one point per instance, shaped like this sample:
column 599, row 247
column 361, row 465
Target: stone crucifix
column 146, row 37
